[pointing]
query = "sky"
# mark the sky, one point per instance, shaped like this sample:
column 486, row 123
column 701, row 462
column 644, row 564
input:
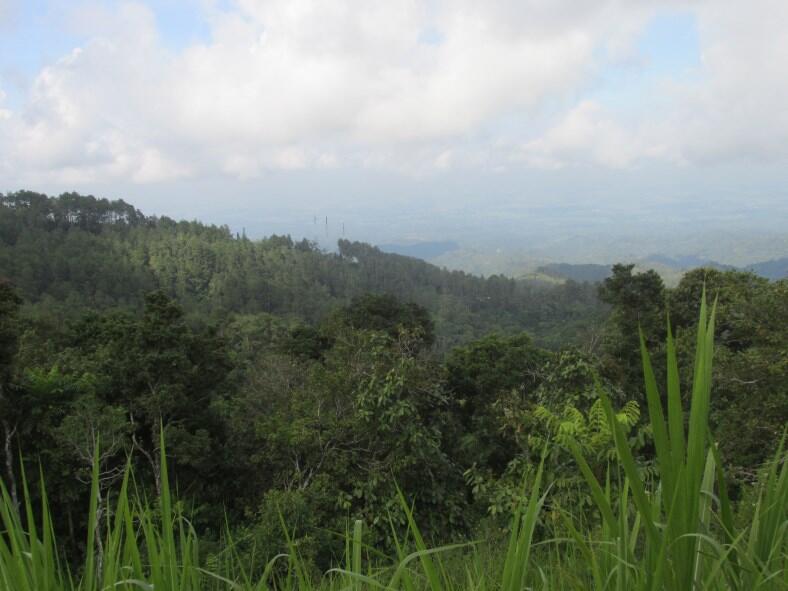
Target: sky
column 404, row 119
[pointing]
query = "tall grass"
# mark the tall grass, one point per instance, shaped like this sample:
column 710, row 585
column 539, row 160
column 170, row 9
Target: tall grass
column 678, row 533
column 675, row 532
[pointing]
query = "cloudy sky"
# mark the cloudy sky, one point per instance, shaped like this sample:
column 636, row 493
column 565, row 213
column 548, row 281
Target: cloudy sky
column 213, row 107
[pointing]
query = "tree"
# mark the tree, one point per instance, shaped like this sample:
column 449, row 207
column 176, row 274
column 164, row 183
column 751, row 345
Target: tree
column 167, row 377
column 750, row 406
column 387, row 314
column 344, row 429
column 96, row 434
column 477, row 376
column 9, row 389
column 638, row 302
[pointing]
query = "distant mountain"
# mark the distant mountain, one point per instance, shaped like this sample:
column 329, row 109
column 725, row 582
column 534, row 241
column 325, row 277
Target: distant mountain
column 774, row 269
column 687, row 262
column 582, row 272
column 420, row 250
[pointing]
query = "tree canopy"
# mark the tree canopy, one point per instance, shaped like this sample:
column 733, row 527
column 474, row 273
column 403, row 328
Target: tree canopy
column 283, row 376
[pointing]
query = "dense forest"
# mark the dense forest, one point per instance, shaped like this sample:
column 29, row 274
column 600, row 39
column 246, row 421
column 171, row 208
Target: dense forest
column 298, row 386
column 74, row 253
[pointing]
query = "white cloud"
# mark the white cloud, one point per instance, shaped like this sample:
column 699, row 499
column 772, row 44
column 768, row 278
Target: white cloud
column 591, row 135
column 295, row 84
column 738, row 109
column 732, row 112
column 4, row 113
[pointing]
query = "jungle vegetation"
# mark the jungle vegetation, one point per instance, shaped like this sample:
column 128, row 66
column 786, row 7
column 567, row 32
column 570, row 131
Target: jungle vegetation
column 184, row 408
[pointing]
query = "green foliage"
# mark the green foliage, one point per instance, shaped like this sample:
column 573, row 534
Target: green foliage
column 590, row 432
column 76, row 253
column 384, row 313
column 303, row 386
column 366, row 415
column 570, row 377
column 478, row 376
column 673, row 531
column 539, row 427
column 750, row 408
column 638, row 302
column 9, row 326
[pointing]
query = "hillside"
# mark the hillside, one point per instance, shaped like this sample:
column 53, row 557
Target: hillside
column 582, row 272
column 85, row 252
column 670, row 268
column 774, row 269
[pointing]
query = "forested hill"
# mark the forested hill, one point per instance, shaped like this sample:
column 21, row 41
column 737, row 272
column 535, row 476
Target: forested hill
column 76, row 252
column 289, row 392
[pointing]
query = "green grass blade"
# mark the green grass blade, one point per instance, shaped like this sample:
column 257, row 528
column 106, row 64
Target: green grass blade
column 675, row 410
column 657, row 420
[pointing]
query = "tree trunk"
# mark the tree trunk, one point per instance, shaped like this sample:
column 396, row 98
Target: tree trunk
column 8, row 433
column 156, row 461
column 153, row 459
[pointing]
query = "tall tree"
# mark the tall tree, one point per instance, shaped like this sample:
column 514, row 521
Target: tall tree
column 9, row 343
column 478, row 375
column 638, row 302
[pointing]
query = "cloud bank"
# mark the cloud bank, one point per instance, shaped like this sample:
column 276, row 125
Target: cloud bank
column 401, row 86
